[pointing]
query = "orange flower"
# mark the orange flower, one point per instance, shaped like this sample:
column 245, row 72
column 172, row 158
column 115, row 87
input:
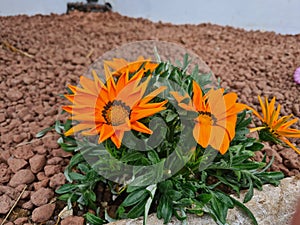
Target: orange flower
column 115, row 107
column 217, row 115
column 275, row 127
column 120, row 66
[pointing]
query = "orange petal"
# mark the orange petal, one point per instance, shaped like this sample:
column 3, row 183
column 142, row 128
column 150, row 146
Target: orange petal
column 106, row 131
column 219, row 139
column 198, row 97
column 135, row 125
column 201, row 134
column 290, row 144
column 78, row 127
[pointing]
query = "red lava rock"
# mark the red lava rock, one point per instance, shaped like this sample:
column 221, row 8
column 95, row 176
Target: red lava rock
column 40, row 150
column 57, row 180
column 54, row 161
column 43, row 213
column 16, row 164
column 21, row 220
column 272, row 152
column 37, row 163
column 292, row 163
column 5, row 204
column 19, row 137
column 73, row 220
column 9, row 223
column 41, row 176
column 4, row 173
column 14, row 95
column 2, row 117
column 27, row 205
column 42, row 196
column 288, row 153
column 11, row 192
column 23, row 152
column 41, row 184
column 61, row 153
column 52, row 169
column 24, row 176
column 4, row 155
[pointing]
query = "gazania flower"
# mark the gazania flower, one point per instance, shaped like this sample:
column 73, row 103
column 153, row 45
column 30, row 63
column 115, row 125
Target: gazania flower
column 276, row 128
column 110, row 109
column 120, row 66
column 217, row 115
column 297, row 75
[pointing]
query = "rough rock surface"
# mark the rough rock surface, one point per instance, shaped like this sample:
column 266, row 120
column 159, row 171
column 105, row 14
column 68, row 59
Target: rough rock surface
column 273, row 204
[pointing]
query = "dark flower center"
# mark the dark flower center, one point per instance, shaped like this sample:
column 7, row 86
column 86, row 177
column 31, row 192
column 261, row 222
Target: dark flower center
column 116, row 113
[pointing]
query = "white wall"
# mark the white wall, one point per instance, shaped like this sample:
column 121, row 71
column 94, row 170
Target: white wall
column 282, row 16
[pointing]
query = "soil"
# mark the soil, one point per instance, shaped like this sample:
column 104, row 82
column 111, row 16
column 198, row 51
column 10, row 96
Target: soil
column 50, row 52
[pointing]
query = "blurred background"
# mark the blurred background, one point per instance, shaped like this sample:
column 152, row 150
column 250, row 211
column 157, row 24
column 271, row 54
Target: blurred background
column 281, row 16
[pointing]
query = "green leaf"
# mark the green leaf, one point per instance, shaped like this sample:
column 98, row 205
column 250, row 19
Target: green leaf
column 152, row 189
column 165, row 209
column 92, row 219
column 84, row 168
column 153, row 156
column 76, row 176
column 66, row 188
column 224, row 198
column 137, row 210
column 132, row 156
column 69, row 196
column 43, row 132
column 90, row 195
column 204, row 198
column 245, row 209
column 135, row 197
column 219, row 209
column 249, row 193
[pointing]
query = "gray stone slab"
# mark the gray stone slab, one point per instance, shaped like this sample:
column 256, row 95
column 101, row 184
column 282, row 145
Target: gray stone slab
column 273, row 205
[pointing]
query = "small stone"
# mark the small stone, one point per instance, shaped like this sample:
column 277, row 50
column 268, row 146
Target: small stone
column 24, row 176
column 2, row 117
column 4, row 173
column 288, row 153
column 43, row 213
column 21, row 220
column 18, row 138
column 61, row 153
column 11, row 192
column 27, row 205
column 5, row 204
column 57, row 180
column 295, row 109
column 54, row 161
column 41, row 184
column 40, row 150
column 292, row 163
column 37, row 163
column 73, row 220
column 16, row 164
column 23, row 152
column 52, row 169
column 42, row 196
column 14, row 95
column 41, row 176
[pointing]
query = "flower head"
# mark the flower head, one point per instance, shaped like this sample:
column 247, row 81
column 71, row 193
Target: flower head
column 217, row 115
column 120, row 66
column 110, row 109
column 297, row 75
column 272, row 125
